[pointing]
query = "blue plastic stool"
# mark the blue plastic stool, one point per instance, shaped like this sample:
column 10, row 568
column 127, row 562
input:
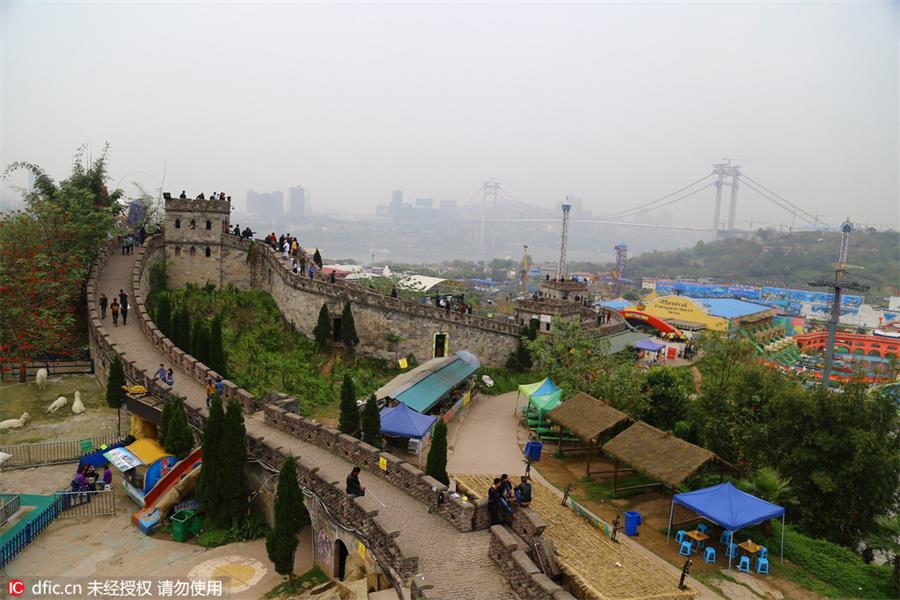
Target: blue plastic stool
column 709, row 555
column 681, row 536
column 762, row 566
column 686, row 549
column 725, row 538
column 744, row 564
column 731, row 551
column 702, row 527
column 763, row 552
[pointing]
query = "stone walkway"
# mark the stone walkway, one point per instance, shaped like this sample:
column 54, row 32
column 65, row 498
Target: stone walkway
column 456, row 563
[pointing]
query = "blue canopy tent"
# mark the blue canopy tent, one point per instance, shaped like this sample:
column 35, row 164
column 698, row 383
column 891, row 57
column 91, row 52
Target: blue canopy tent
column 402, row 421
column 728, row 507
column 649, row 345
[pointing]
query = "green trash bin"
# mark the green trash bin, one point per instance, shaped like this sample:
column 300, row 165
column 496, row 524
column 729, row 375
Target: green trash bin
column 196, row 525
column 181, row 525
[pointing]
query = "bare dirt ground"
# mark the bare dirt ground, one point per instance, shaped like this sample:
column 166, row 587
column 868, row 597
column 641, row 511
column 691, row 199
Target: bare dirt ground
column 16, row 398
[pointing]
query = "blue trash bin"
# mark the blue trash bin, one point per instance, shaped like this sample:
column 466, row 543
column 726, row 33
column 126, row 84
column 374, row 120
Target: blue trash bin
column 632, row 520
column 533, row 450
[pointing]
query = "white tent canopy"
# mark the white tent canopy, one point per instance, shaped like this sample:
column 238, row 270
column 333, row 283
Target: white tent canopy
column 419, row 283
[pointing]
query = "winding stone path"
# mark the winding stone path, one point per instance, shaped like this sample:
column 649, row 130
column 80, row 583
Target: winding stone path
column 456, row 563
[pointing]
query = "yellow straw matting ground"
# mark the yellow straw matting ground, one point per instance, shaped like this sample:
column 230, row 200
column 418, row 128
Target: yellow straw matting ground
column 601, row 568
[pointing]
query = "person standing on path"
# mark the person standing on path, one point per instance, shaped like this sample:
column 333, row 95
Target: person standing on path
column 104, row 302
column 123, row 298
column 114, row 309
column 124, row 314
column 494, row 502
column 210, row 391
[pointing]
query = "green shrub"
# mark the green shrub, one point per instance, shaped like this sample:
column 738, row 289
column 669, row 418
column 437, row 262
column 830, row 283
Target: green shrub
column 314, row 577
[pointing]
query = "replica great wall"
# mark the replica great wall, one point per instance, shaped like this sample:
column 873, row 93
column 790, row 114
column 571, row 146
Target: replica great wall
column 419, row 537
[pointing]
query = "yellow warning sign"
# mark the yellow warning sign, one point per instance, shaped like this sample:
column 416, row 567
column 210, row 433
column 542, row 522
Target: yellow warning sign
column 403, row 363
column 382, row 463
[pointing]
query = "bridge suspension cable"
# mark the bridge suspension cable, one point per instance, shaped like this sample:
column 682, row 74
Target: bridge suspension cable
column 637, row 211
column 814, row 222
column 648, row 205
column 782, row 198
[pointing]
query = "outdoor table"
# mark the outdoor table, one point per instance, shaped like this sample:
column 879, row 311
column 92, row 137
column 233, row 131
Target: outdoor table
column 698, row 537
column 749, row 547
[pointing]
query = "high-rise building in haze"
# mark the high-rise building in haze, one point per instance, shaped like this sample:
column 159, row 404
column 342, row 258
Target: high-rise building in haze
column 297, row 206
column 267, row 204
column 425, row 202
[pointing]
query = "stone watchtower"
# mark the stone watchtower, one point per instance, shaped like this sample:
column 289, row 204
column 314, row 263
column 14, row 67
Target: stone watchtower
column 194, row 235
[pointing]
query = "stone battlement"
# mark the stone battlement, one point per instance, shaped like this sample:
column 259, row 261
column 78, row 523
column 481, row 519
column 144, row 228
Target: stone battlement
column 198, row 206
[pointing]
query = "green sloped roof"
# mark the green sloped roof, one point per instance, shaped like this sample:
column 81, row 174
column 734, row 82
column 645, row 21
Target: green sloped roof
column 428, row 391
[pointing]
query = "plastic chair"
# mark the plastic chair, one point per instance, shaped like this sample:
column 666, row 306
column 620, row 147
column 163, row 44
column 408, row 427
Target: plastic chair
column 702, row 527
column 744, row 564
column 681, row 536
column 686, row 549
column 726, row 537
column 763, row 552
column 731, row 551
column 762, row 566
column 709, row 555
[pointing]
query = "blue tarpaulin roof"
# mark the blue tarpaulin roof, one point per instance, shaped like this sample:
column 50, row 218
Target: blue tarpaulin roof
column 728, row 308
column 728, row 506
column 402, row 421
column 649, row 345
column 617, row 304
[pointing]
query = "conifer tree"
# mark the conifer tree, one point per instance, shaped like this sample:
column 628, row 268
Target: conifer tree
column 217, row 360
column 437, row 456
column 164, row 315
column 348, row 328
column 200, row 342
column 179, row 440
column 323, row 331
column 211, row 487
column 371, row 423
column 115, row 396
column 234, row 469
column 349, row 419
column 317, row 258
column 181, row 330
column 290, row 517
column 162, row 429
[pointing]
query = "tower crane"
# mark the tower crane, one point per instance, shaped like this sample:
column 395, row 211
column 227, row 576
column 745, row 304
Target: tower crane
column 838, row 285
column 525, row 268
column 564, row 242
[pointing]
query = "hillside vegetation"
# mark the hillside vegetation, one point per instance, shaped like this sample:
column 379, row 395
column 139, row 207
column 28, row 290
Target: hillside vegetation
column 782, row 259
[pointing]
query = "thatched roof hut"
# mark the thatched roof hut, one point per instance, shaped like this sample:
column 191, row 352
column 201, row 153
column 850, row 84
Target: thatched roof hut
column 586, row 417
column 658, row 454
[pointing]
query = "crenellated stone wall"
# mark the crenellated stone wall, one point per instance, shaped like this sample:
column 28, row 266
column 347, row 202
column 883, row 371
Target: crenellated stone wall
column 523, row 576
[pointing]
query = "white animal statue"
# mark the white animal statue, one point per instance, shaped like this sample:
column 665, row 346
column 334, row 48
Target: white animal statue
column 41, row 379
column 57, row 404
column 4, row 457
column 14, row 423
column 77, row 405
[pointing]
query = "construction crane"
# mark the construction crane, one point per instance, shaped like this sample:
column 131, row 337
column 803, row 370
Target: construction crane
column 525, row 268
column 564, row 242
column 838, row 285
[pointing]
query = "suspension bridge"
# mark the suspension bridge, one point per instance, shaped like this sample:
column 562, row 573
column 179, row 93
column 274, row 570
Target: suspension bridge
column 497, row 205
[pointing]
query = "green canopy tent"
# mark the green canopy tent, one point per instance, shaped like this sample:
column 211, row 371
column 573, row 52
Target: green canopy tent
column 542, row 387
column 544, row 403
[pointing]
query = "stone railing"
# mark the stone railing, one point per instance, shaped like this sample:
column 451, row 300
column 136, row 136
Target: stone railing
column 520, row 572
column 366, row 297
column 408, row 478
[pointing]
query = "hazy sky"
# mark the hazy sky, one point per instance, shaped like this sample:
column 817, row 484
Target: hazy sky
column 616, row 103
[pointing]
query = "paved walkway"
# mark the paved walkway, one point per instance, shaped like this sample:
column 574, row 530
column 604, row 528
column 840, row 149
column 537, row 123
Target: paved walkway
column 488, row 440
column 456, row 563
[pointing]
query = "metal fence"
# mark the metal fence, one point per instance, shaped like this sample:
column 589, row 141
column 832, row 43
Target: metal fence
column 49, row 453
column 82, row 365
column 36, row 524
column 9, row 505
column 86, row 504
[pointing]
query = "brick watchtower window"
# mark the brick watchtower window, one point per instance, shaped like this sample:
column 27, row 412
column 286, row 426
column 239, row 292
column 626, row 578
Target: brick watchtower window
column 177, row 223
column 193, row 224
column 193, row 251
column 208, row 250
column 208, row 226
column 177, row 251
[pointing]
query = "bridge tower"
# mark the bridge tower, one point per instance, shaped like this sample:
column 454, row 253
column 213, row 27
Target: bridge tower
column 490, row 188
column 719, row 170
column 735, row 172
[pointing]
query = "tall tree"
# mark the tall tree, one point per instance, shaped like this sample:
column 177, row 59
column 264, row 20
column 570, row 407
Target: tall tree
column 348, row 328
column 768, row 484
column 181, row 329
column 115, row 396
column 290, row 517
column 668, row 397
column 234, row 454
column 179, row 439
column 164, row 315
column 323, row 331
column 212, row 484
column 217, row 360
column 349, row 419
column 437, row 455
column 573, row 357
column 200, row 341
column 162, row 430
column 371, row 423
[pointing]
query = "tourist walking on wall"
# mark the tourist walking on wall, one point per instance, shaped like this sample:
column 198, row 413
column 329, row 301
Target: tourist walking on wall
column 104, row 302
column 125, row 314
column 114, row 309
column 210, row 391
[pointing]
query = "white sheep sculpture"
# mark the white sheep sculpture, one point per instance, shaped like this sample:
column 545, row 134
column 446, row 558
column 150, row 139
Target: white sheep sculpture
column 40, row 379
column 77, row 404
column 14, row 423
column 57, row 404
column 4, row 457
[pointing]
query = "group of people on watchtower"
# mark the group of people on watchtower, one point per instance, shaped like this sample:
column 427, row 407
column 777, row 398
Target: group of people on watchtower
column 503, row 498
